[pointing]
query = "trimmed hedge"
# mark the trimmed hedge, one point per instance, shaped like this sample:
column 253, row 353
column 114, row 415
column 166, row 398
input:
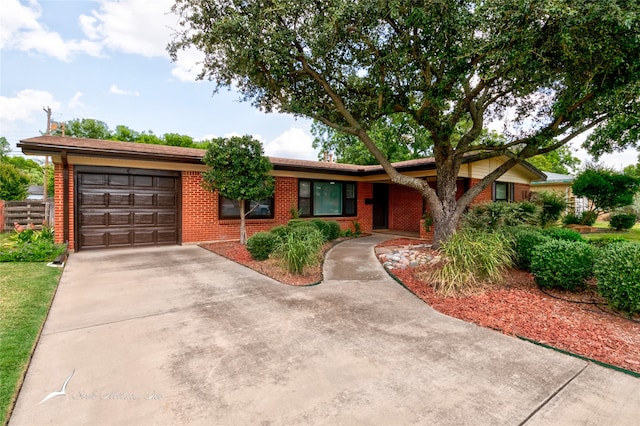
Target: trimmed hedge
column 622, row 221
column 562, row 264
column 261, row 244
column 617, row 270
column 563, row 234
column 526, row 240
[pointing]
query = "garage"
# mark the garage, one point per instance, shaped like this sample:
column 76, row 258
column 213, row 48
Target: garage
column 125, row 207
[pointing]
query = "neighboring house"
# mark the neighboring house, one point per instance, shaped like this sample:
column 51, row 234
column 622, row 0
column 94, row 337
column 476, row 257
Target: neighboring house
column 35, row 192
column 120, row 194
column 562, row 183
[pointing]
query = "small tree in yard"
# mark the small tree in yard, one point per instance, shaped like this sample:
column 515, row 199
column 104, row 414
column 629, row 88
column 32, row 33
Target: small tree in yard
column 605, row 188
column 238, row 171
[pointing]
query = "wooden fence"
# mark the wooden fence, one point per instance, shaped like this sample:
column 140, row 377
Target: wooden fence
column 25, row 213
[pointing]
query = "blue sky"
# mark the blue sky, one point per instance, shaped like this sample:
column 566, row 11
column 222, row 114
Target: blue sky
column 107, row 60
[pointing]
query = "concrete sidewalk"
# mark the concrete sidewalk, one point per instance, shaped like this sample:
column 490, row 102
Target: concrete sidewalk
column 178, row 335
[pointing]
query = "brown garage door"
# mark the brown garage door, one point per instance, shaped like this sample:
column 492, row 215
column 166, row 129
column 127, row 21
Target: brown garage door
column 118, row 207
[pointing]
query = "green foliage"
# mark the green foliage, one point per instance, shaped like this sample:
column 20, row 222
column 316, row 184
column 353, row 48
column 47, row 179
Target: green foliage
column 499, row 214
column 438, row 66
column 299, row 248
column 570, row 219
column 334, row 229
column 396, row 136
column 321, row 226
column 280, row 230
column 31, row 169
column 562, row 264
column 558, row 161
column 606, row 241
column 261, row 244
column 563, row 234
column 357, row 229
column 5, row 147
column 238, row 170
column 526, row 239
column 13, row 183
column 622, row 221
column 616, row 269
column 294, row 212
column 606, row 188
column 588, row 218
column 471, row 258
column 31, row 245
column 552, row 205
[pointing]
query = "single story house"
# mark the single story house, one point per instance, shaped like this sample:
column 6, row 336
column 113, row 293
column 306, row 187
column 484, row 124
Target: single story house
column 112, row 194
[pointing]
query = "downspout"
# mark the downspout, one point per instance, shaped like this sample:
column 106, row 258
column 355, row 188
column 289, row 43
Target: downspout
column 65, row 198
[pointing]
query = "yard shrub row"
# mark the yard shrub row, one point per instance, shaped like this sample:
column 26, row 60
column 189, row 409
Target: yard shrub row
column 617, row 271
column 561, row 258
column 297, row 244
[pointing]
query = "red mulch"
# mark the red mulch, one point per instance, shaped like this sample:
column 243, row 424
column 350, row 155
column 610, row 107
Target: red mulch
column 238, row 253
column 517, row 308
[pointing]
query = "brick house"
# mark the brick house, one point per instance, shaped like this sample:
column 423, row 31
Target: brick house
column 118, row 194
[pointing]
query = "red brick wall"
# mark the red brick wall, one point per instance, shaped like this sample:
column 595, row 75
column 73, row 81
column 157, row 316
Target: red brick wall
column 200, row 220
column 405, row 208
column 58, row 206
column 486, row 196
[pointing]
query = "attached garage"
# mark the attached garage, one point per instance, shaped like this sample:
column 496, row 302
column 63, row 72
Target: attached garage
column 122, row 207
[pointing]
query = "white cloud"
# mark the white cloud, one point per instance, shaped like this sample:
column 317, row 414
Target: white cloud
column 75, row 102
column 25, row 105
column 188, row 65
column 132, row 26
column 294, row 143
column 20, row 29
column 118, row 91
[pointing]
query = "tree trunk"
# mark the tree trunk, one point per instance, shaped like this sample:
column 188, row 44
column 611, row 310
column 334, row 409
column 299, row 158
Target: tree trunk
column 243, row 228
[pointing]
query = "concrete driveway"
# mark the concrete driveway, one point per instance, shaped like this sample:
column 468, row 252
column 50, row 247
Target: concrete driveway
column 178, row 335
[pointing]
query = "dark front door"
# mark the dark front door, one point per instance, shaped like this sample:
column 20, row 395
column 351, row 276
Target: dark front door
column 380, row 206
column 118, row 207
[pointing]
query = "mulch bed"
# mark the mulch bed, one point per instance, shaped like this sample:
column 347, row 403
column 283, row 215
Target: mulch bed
column 579, row 323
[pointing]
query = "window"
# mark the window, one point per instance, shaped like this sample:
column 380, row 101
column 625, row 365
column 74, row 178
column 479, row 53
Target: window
column 326, row 198
column 230, row 209
column 502, row 191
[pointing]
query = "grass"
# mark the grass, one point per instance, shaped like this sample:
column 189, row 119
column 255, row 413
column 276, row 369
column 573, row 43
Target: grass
column 27, row 291
column 632, row 234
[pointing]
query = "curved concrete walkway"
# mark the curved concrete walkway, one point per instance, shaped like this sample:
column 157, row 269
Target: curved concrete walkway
column 178, row 335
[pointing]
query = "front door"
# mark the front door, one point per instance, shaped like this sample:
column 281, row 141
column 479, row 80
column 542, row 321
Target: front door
column 380, row 206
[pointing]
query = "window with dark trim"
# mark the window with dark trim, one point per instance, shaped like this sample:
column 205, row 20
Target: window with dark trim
column 317, row 198
column 503, row 191
column 230, row 209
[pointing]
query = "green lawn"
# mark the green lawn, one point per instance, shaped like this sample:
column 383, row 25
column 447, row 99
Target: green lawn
column 27, row 290
column 632, row 234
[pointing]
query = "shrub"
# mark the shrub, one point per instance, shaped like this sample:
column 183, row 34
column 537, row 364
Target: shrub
column 357, row 229
column 280, row 231
column 606, row 241
column 41, row 250
column 525, row 241
column 323, row 227
column 618, row 275
column 497, row 214
column 261, row 244
column 588, row 218
column 564, row 234
column 299, row 248
column 571, row 219
column 334, row 229
column 622, row 221
column 552, row 205
column 562, row 264
column 471, row 258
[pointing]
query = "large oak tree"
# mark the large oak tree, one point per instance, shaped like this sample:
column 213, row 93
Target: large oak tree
column 551, row 69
